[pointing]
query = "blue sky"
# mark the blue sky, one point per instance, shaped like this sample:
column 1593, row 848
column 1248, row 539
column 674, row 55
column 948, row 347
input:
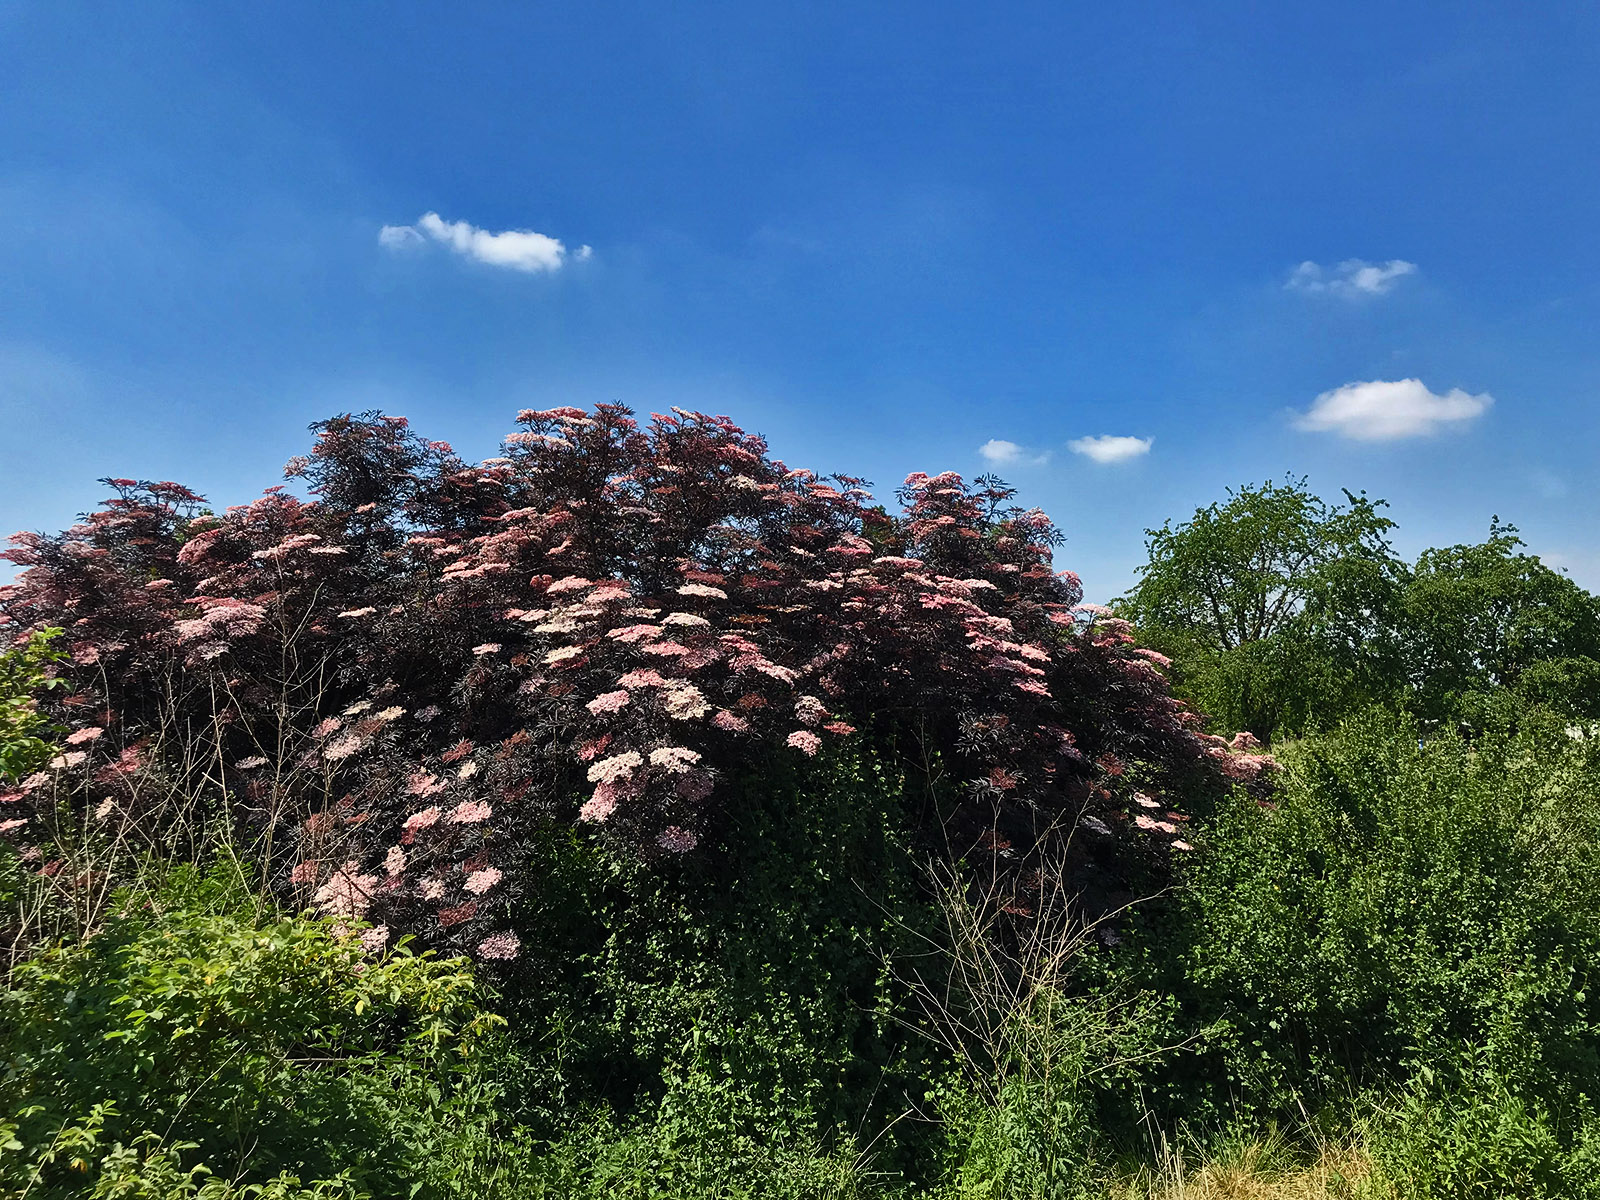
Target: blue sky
column 886, row 236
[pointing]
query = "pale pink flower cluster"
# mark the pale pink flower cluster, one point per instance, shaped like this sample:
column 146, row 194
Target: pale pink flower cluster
column 701, row 589
column 608, row 702
column 421, row 783
column 479, row 882
column 420, row 820
column 470, row 812
column 730, row 722
column 630, row 634
column 805, row 741
column 618, row 766
column 674, row 759
column 666, row 649
column 685, row 702
column 642, row 679
column 348, row 893
column 394, row 863
column 687, row 619
column 84, row 735
column 1150, row 823
column 810, row 710
column 375, row 939
column 432, row 889
column 486, row 648
column 591, row 750
column 304, row 872
column 326, row 726
column 524, row 438
column 222, row 619
column 251, row 763
column 571, row 583
column 500, row 945
column 601, row 805
column 343, row 747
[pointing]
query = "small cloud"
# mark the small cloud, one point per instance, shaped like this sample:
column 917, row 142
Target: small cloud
column 1383, row 411
column 517, row 249
column 1110, row 449
column 398, row 237
column 1008, row 454
column 1351, row 279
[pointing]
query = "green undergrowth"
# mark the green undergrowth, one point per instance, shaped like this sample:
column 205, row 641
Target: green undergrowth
column 1378, row 985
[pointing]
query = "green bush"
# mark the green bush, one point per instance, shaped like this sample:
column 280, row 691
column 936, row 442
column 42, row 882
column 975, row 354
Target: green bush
column 24, row 671
column 251, row 1050
column 1400, row 901
column 1463, row 1131
column 725, row 1023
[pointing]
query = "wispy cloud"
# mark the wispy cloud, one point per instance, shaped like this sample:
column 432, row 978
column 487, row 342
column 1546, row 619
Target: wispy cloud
column 1002, row 453
column 1351, row 279
column 1110, row 449
column 1385, row 411
column 516, row 249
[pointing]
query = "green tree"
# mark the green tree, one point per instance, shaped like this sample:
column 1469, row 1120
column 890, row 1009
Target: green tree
column 1488, row 618
column 1275, row 606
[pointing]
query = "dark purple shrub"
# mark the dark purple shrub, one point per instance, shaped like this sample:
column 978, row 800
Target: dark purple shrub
column 390, row 685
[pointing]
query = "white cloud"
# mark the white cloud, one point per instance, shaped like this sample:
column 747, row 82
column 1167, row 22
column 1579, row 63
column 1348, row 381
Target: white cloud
column 398, row 237
column 1008, row 454
column 1110, row 449
column 1382, row 411
column 518, row 249
column 1351, row 279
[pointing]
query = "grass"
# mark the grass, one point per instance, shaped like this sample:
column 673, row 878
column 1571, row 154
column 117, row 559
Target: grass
column 1265, row 1169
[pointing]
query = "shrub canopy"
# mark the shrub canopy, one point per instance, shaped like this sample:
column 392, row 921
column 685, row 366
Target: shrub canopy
column 391, row 682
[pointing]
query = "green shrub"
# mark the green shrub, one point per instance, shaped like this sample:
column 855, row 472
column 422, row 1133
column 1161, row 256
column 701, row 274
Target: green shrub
column 187, row 1030
column 1037, row 1140
column 703, row 1140
column 762, row 965
column 1463, row 1131
column 24, row 671
column 1402, row 900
